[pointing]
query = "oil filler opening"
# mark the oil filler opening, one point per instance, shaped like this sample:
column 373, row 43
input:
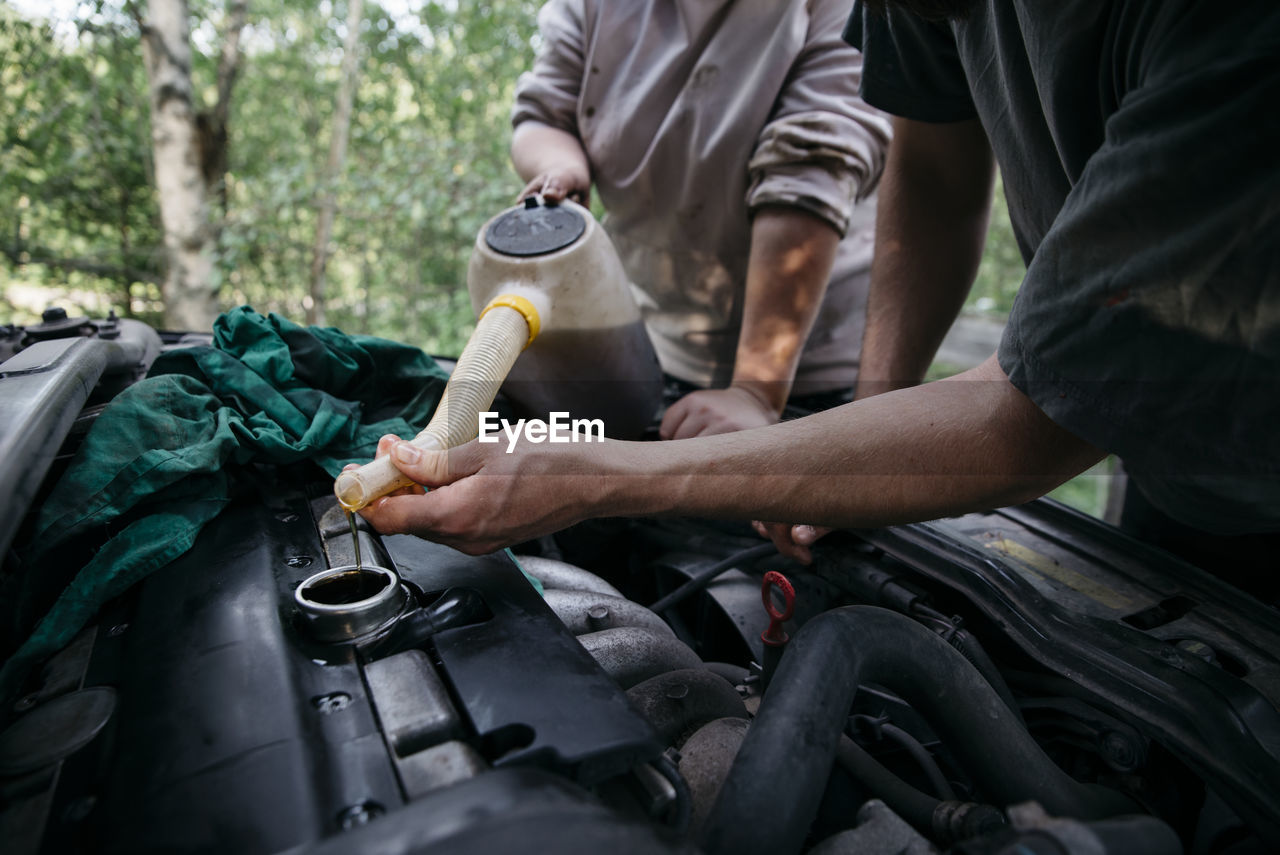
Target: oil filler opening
column 344, row 589
column 346, row 603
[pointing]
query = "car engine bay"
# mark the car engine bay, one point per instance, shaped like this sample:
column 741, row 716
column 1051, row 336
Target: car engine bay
column 1024, row 680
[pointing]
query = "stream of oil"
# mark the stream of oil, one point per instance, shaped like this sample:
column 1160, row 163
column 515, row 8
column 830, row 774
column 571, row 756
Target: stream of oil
column 355, row 543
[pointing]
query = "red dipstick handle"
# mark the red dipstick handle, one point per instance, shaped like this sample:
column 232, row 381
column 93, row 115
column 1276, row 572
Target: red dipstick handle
column 774, row 636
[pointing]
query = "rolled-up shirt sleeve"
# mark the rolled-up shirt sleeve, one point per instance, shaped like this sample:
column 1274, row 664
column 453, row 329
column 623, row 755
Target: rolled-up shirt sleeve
column 823, row 147
column 549, row 92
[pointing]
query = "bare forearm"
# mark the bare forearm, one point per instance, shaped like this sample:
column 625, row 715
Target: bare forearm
column 945, row 448
column 916, row 454
column 538, row 148
column 792, row 252
column 935, row 199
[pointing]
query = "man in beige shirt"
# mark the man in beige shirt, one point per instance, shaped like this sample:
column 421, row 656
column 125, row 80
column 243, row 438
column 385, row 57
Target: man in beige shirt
column 729, row 146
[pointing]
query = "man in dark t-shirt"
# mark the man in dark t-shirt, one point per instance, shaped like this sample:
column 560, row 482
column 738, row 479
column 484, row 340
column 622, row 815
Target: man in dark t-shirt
column 1139, row 144
column 1138, row 140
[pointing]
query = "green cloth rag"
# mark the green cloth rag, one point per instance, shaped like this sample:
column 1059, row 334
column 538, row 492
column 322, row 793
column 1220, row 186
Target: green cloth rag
column 161, row 460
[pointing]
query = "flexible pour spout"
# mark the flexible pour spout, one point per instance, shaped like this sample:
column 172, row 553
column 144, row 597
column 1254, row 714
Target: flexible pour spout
column 508, row 324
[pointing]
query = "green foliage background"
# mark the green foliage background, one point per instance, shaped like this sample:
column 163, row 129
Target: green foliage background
column 427, row 163
column 77, row 213
column 426, row 166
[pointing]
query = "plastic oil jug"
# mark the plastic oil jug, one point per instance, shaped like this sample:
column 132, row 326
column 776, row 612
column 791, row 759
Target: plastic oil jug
column 556, row 321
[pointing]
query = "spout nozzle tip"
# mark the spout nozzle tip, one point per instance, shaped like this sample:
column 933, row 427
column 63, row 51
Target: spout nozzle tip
column 349, row 488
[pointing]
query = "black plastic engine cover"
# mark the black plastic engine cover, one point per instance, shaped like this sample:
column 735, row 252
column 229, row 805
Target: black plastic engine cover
column 236, row 732
column 228, row 735
column 530, row 689
column 509, row 811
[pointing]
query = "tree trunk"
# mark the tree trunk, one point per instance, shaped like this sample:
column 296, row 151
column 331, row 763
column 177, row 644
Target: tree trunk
column 189, row 149
column 214, row 122
column 184, row 210
column 327, row 205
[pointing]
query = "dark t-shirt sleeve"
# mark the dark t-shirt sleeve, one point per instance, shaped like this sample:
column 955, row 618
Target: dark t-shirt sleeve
column 1149, row 319
column 911, row 68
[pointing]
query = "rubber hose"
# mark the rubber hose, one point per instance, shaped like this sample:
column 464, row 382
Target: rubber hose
column 918, row 753
column 682, row 808
column 906, row 801
column 783, row 766
column 968, row 644
column 703, row 578
column 972, row 649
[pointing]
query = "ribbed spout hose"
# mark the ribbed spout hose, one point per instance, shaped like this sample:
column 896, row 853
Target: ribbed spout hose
column 506, row 326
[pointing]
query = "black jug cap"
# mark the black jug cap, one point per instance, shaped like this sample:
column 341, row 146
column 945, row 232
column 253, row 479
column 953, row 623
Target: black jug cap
column 534, row 229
